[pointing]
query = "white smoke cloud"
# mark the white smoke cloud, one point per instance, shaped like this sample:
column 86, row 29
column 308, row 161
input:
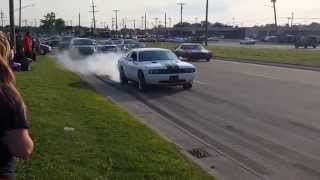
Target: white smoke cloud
column 98, row 64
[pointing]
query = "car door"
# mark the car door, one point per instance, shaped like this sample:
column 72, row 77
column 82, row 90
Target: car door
column 126, row 65
column 133, row 66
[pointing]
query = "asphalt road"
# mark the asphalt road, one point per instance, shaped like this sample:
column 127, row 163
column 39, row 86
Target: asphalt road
column 265, row 117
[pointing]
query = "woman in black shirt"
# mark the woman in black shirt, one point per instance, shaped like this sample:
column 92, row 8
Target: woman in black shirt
column 14, row 136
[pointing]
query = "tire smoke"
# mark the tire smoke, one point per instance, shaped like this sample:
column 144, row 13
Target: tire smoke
column 98, row 64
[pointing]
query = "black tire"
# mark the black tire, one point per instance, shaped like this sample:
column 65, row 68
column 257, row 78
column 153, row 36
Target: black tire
column 123, row 78
column 314, row 46
column 187, row 86
column 208, row 59
column 142, row 85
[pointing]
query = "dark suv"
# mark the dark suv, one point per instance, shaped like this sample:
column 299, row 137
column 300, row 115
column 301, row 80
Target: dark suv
column 306, row 41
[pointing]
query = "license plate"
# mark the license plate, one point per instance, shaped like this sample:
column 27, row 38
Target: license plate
column 174, row 78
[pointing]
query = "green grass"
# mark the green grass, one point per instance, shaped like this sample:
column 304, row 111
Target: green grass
column 284, row 56
column 107, row 142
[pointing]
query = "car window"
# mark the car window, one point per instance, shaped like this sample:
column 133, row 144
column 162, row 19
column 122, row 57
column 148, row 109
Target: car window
column 106, row 43
column 157, row 56
column 134, row 56
column 191, row 47
column 83, row 42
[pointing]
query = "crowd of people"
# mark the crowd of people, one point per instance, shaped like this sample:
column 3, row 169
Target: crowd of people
column 15, row 141
column 25, row 52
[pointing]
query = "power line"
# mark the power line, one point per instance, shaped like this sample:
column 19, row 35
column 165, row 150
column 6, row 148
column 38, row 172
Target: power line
column 181, row 10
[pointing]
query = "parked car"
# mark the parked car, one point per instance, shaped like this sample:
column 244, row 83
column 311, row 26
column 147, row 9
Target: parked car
column 130, row 44
column 214, row 39
column 45, row 49
column 248, row 41
column 107, row 46
column 272, row 39
column 81, row 47
column 192, row 51
column 155, row 66
column 119, row 42
column 65, row 42
column 306, row 41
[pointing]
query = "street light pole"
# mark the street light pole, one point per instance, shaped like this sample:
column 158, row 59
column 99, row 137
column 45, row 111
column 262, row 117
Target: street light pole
column 206, row 28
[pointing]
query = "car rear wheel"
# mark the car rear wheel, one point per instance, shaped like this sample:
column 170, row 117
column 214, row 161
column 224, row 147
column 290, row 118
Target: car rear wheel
column 187, row 86
column 208, row 59
column 142, row 85
column 123, row 78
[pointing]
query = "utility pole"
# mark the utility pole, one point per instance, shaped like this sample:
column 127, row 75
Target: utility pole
column 2, row 19
column 116, row 12
column 156, row 22
column 142, row 22
column 134, row 24
column 93, row 11
column 165, row 21
column 234, row 22
column 170, row 21
column 112, row 24
column 20, row 8
column 25, row 25
column 181, row 10
column 12, row 25
column 157, row 27
column 292, row 17
column 206, row 28
column 145, row 22
column 275, row 15
column 79, row 21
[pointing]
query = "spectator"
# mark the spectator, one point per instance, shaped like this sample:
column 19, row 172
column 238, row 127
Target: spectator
column 14, row 136
column 20, row 55
column 27, row 45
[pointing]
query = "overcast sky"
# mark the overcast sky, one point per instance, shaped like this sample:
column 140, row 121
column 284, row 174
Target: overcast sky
column 244, row 12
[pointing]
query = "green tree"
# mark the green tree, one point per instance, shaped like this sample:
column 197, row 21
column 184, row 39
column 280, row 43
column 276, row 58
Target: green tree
column 48, row 23
column 59, row 25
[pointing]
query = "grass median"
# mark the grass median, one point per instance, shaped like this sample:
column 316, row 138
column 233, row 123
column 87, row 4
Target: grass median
column 107, row 143
column 304, row 57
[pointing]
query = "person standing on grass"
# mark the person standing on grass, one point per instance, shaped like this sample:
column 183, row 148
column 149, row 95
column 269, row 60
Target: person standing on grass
column 15, row 141
column 27, row 45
